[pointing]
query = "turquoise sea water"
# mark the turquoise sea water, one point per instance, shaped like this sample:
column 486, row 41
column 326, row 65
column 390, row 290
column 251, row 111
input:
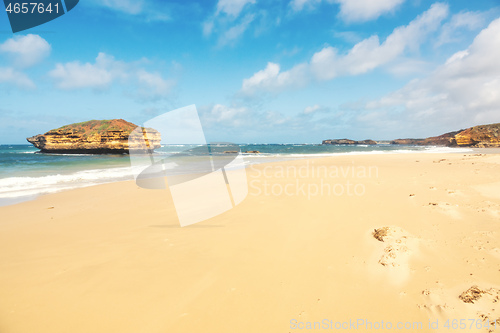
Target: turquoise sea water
column 25, row 173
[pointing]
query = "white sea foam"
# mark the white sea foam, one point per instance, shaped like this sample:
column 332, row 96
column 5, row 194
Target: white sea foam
column 432, row 149
column 14, row 187
column 17, row 187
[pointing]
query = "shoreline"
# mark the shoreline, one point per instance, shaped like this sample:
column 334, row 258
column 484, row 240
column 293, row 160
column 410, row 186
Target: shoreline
column 113, row 257
column 84, row 178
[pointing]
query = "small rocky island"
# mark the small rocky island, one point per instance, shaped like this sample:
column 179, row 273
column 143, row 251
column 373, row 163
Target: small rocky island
column 483, row 136
column 348, row 142
column 96, row 137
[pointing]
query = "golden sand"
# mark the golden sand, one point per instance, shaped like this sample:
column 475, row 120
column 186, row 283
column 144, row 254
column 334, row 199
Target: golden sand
column 403, row 243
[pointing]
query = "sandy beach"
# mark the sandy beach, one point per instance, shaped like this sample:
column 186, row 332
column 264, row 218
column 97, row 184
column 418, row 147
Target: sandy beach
column 395, row 239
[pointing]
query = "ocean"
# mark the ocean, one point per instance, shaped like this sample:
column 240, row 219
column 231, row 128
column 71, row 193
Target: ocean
column 25, row 173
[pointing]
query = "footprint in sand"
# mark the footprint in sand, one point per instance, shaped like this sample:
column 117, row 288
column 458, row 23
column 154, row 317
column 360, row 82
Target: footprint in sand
column 485, row 302
column 453, row 192
column 488, row 207
column 482, row 241
column 446, row 208
column 434, row 306
column 397, row 246
column 475, row 302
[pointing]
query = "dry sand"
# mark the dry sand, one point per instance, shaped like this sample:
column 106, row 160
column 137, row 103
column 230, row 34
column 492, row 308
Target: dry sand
column 112, row 258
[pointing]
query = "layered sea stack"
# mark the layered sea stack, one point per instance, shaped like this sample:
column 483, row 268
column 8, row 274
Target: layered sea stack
column 97, row 137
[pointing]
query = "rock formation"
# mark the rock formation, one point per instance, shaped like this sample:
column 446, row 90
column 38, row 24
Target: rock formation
column 447, row 139
column 348, row 142
column 483, row 136
column 479, row 136
column 97, row 137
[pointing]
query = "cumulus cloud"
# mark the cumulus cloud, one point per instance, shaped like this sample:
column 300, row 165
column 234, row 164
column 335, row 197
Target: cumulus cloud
column 207, row 28
column 462, row 21
column 232, row 7
column 153, row 85
column 241, row 120
column 462, row 91
column 147, row 10
column 105, row 71
column 26, row 51
column 236, row 31
column 312, row 109
column 13, row 77
column 228, row 22
column 370, row 53
column 366, row 10
column 298, row 5
column 127, row 6
column 99, row 75
column 365, row 56
column 227, row 116
column 272, row 80
column 353, row 10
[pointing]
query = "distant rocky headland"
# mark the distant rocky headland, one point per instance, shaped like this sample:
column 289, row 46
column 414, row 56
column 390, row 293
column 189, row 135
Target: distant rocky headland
column 483, row 136
column 95, row 137
column 348, row 142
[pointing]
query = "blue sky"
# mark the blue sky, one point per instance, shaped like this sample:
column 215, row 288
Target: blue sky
column 258, row 70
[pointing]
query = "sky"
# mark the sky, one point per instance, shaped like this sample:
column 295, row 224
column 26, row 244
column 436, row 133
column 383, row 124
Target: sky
column 258, row 71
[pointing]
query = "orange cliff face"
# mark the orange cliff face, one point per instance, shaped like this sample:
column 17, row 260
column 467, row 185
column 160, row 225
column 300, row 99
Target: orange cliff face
column 479, row 136
column 484, row 136
column 95, row 137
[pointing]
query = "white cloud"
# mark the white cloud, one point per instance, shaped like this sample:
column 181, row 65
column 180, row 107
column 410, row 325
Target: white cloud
column 75, row 75
column 351, row 37
column 370, row 53
column 126, row 6
column 26, row 50
column 298, row 5
column 461, row 92
column 148, row 10
column 272, row 80
column 353, row 10
column 227, row 22
column 227, row 116
column 236, row 31
column 365, row 56
column 407, row 66
column 232, row 7
column 464, row 21
column 13, row 77
column 105, row 71
column 238, row 119
column 366, row 10
column 208, row 28
column 312, row 109
column 154, row 86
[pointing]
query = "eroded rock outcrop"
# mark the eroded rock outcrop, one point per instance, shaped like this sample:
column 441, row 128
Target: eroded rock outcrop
column 447, row 139
column 483, row 136
column 96, row 137
column 348, row 142
column 479, row 136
